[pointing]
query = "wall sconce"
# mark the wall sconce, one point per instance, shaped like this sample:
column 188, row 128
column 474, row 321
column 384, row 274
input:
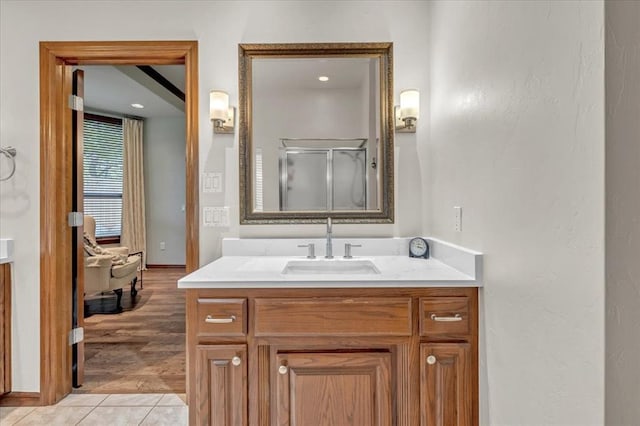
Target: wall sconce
column 222, row 115
column 408, row 112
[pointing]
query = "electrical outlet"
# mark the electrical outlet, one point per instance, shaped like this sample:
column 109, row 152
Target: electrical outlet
column 458, row 219
column 162, row 245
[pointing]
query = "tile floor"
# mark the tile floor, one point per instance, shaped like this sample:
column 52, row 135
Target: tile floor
column 103, row 409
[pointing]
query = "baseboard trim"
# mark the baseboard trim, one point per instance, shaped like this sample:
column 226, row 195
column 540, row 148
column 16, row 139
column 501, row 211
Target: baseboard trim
column 20, row 399
column 164, row 266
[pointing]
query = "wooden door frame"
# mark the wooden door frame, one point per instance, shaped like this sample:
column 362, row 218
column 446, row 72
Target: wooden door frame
column 56, row 182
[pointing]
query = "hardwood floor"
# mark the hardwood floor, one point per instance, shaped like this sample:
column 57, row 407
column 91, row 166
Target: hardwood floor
column 141, row 350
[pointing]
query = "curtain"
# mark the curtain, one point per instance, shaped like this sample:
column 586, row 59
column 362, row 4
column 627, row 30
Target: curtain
column 133, row 213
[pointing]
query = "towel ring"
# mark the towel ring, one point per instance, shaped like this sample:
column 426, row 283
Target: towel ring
column 10, row 153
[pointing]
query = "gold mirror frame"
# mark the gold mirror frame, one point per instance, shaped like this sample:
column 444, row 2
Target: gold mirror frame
column 383, row 51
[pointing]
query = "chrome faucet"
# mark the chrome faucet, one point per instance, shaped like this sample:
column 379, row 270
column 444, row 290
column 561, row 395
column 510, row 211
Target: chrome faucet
column 329, row 250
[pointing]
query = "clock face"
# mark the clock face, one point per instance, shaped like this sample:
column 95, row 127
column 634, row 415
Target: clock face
column 418, row 248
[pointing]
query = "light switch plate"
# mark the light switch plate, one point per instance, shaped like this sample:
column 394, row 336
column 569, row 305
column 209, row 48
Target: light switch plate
column 215, row 217
column 211, row 182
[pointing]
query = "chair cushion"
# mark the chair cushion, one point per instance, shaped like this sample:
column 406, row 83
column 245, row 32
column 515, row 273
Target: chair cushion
column 97, row 261
column 92, row 248
column 128, row 268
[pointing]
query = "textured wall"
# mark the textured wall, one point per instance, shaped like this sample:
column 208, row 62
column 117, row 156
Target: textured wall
column 623, row 212
column 517, row 140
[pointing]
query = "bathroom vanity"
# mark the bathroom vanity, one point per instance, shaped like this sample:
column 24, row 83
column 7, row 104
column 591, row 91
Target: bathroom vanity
column 378, row 339
column 6, row 258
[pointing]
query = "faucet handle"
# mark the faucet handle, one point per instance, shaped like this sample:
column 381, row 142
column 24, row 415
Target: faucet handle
column 347, row 249
column 311, row 254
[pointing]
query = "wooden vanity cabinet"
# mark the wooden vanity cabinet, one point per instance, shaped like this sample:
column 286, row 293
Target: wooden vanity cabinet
column 5, row 328
column 388, row 356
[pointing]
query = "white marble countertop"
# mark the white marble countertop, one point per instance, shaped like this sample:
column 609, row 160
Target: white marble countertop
column 6, row 250
column 449, row 266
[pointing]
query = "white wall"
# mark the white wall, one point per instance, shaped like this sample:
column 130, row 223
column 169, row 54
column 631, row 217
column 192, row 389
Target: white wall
column 164, row 178
column 517, row 140
column 623, row 212
column 218, row 27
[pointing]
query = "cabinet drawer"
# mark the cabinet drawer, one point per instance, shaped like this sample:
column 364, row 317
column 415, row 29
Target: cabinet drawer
column 221, row 317
column 330, row 316
column 444, row 315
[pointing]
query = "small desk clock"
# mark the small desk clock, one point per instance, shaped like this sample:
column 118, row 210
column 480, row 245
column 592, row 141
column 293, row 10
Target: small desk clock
column 418, row 247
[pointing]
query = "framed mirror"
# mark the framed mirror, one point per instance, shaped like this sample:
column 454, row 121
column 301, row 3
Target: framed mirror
column 316, row 133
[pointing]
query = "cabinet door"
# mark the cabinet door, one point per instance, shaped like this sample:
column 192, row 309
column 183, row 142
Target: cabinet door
column 221, row 385
column 328, row 389
column 446, row 384
column 5, row 328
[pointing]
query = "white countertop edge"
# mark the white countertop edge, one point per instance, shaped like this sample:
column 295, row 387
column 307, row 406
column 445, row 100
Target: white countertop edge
column 238, row 285
column 6, row 250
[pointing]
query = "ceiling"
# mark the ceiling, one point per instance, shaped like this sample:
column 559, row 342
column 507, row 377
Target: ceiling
column 112, row 89
column 303, row 73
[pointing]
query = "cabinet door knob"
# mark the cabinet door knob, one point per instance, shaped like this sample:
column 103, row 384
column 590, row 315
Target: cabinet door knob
column 236, row 361
column 431, row 360
column 211, row 320
column 283, row 369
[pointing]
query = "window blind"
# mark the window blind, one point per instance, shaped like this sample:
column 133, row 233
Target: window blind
column 103, row 167
column 259, row 198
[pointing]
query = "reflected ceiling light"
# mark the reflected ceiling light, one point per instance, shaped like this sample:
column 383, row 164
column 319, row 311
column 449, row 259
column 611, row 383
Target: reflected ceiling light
column 323, row 78
column 139, row 106
column 220, row 112
column 408, row 112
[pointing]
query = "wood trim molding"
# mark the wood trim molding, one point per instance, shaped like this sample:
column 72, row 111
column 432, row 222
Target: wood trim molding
column 20, row 399
column 56, row 182
column 108, row 240
column 55, row 236
column 152, row 266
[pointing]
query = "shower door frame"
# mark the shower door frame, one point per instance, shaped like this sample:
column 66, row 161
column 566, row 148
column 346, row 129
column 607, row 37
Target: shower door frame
column 283, row 166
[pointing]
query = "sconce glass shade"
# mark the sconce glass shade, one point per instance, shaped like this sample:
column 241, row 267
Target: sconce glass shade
column 218, row 105
column 410, row 104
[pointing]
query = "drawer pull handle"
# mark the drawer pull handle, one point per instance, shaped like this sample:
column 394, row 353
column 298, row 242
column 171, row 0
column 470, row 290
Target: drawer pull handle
column 454, row 318
column 212, row 320
column 431, row 360
column 236, row 361
column 283, row 369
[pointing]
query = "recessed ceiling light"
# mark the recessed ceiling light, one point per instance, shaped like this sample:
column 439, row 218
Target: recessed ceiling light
column 137, row 105
column 323, row 78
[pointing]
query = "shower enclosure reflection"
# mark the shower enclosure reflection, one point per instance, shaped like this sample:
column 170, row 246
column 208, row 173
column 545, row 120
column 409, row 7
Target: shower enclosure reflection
column 326, row 176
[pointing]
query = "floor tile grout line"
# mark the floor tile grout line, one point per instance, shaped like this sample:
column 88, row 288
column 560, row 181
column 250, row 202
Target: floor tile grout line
column 85, row 416
column 145, row 417
column 25, row 415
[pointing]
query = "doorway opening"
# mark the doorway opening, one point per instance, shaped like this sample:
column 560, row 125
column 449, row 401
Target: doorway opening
column 56, row 62
column 134, row 133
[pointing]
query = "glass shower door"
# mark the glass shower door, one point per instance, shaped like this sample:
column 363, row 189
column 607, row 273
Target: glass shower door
column 303, row 180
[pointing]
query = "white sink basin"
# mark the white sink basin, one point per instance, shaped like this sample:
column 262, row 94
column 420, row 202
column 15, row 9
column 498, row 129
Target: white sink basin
column 330, row 266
